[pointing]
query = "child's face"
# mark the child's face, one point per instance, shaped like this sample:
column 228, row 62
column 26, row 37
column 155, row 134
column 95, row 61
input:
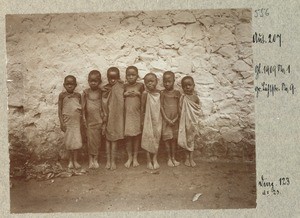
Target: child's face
column 188, row 86
column 112, row 77
column 168, row 81
column 131, row 76
column 150, row 82
column 94, row 81
column 70, row 85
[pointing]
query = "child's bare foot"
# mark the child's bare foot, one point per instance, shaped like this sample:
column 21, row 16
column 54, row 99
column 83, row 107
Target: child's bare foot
column 135, row 163
column 91, row 164
column 175, row 162
column 113, row 166
column 187, row 162
column 128, row 163
column 149, row 166
column 77, row 165
column 96, row 164
column 155, row 165
column 170, row 163
column 193, row 164
column 107, row 166
column 70, row 165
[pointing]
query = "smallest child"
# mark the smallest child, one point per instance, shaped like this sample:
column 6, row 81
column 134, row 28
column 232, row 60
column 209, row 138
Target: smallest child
column 189, row 119
column 69, row 113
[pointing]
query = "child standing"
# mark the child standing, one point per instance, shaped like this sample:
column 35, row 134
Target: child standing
column 169, row 99
column 92, row 116
column 151, row 120
column 69, row 113
column 113, row 108
column 189, row 119
column 132, row 94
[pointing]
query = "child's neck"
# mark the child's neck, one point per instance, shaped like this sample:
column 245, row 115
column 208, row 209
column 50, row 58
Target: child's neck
column 170, row 90
column 153, row 91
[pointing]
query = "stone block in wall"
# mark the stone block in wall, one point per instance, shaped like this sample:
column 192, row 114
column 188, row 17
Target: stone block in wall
column 221, row 36
column 231, row 134
column 217, row 95
column 207, row 21
column 244, row 32
column 183, row 17
column 194, row 32
column 222, row 79
column 228, row 51
column 159, row 65
column 247, row 74
column 162, row 21
column 206, row 105
column 203, row 78
column 220, row 63
column 172, row 35
column 228, row 106
column 143, row 69
column 245, row 15
column 241, row 66
column 183, row 64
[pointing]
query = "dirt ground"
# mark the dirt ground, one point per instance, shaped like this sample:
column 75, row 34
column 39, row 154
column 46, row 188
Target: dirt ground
column 222, row 185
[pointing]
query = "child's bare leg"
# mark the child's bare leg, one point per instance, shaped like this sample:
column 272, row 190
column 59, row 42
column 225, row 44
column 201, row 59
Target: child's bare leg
column 76, row 164
column 167, row 144
column 96, row 164
column 187, row 159
column 173, row 148
column 155, row 163
column 149, row 164
column 70, row 165
column 193, row 164
column 107, row 154
column 136, row 141
column 129, row 151
column 91, row 165
column 113, row 153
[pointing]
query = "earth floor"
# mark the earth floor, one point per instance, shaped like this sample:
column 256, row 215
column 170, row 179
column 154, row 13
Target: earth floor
column 222, row 185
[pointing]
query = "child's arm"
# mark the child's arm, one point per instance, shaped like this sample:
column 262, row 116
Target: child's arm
column 83, row 108
column 178, row 95
column 102, row 114
column 162, row 97
column 180, row 104
column 60, row 106
column 143, row 107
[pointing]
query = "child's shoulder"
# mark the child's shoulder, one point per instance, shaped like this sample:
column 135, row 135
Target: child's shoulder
column 63, row 94
column 86, row 91
column 77, row 95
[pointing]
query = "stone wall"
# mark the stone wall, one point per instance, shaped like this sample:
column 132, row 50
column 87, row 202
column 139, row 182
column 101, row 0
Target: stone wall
column 214, row 46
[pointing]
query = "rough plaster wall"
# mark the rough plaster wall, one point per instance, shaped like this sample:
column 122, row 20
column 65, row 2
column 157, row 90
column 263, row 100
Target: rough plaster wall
column 214, row 46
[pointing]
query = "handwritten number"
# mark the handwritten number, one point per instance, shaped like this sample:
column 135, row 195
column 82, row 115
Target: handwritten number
column 262, row 12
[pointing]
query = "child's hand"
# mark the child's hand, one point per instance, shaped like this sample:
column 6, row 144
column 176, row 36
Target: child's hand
column 104, row 119
column 84, row 123
column 170, row 122
column 63, row 127
column 103, row 129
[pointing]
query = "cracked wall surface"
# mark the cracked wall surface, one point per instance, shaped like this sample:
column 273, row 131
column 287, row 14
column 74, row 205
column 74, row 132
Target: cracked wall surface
column 213, row 46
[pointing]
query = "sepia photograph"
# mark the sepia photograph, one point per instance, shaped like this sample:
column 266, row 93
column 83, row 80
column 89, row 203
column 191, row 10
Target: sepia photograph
column 131, row 111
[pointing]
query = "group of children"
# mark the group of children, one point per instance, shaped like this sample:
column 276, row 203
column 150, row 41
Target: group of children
column 140, row 113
